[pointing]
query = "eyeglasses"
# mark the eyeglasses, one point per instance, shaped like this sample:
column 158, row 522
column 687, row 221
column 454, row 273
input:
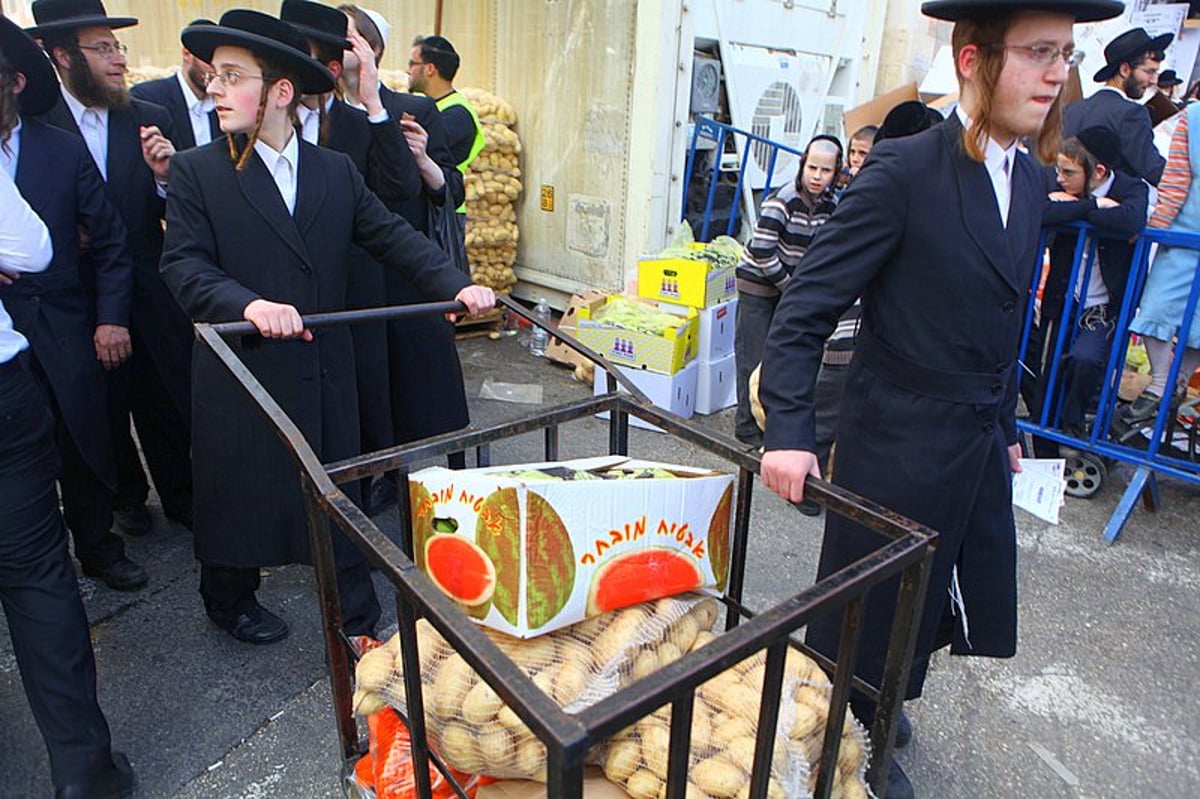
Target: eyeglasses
column 1045, row 55
column 228, row 78
column 106, row 50
column 1067, row 171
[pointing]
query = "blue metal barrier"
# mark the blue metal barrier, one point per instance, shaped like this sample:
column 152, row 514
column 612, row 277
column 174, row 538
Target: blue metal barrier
column 1101, row 440
column 721, row 134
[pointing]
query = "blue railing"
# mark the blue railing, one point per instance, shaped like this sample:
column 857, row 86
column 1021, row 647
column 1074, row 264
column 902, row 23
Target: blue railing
column 1154, row 458
column 720, row 134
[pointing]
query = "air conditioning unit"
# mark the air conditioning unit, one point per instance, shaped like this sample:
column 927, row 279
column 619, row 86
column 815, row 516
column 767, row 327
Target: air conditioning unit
column 706, row 84
column 778, row 95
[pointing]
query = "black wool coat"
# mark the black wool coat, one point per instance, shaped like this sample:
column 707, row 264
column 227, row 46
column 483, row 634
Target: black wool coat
column 929, row 404
column 156, row 319
column 1128, row 121
column 231, row 240
column 58, row 309
column 169, row 94
column 427, row 391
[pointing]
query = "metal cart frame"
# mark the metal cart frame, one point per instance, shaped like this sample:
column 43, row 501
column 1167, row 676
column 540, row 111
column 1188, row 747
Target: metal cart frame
column 907, row 554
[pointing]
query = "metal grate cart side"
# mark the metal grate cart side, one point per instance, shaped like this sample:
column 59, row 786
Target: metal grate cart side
column 906, row 554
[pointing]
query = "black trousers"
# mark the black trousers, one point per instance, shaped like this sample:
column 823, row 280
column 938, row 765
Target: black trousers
column 136, row 388
column 751, row 323
column 86, row 501
column 38, row 589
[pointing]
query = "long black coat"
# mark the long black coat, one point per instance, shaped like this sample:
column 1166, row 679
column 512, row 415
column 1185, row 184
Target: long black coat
column 58, row 309
column 230, row 240
column 169, row 94
column 928, row 410
column 428, row 397
column 157, row 320
column 1127, row 120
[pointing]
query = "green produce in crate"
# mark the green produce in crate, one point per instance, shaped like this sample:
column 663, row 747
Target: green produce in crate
column 639, row 317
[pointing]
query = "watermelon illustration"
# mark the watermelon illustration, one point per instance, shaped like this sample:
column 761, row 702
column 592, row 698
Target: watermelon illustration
column 550, row 562
column 642, row 575
column 422, row 508
column 460, row 569
column 718, row 538
column 498, row 533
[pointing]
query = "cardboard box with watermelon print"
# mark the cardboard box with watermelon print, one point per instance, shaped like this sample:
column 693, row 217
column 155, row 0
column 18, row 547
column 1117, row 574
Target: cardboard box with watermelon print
column 529, row 548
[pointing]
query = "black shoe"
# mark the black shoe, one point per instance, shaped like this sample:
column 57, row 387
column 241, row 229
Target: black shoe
column 120, row 575
column 180, row 513
column 809, row 507
column 255, row 625
column 116, row 782
column 133, row 519
column 382, row 495
column 898, row 786
column 1142, row 409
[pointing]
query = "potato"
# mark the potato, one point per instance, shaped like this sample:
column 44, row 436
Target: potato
column 850, row 754
column 643, row 784
column 807, row 723
column 617, row 636
column 498, row 749
column 739, row 700
column 702, row 638
column 375, row 669
column 531, row 759
column 569, row 649
column 702, row 729
column 753, row 678
column 719, row 778
column 726, row 732
column 741, row 750
column 481, row 704
column 852, row 789
column 622, row 759
column 454, row 679
column 683, row 633
column 667, row 653
column 457, row 746
column 367, row 702
column 570, row 680
column 509, row 720
column 656, row 746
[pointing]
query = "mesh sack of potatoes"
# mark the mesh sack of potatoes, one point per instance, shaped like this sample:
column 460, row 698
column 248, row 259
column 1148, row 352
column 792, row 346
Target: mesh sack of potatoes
column 491, row 108
column 476, row 732
column 493, row 186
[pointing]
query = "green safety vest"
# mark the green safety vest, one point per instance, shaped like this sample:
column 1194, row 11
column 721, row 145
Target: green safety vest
column 456, row 98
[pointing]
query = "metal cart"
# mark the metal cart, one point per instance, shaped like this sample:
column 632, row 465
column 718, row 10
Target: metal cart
column 905, row 554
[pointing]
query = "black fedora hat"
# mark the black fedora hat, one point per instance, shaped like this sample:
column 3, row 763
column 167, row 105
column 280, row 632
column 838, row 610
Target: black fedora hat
column 1080, row 10
column 1167, row 79
column 22, row 53
column 1104, row 146
column 266, row 36
column 1127, row 47
column 318, row 22
column 64, row 15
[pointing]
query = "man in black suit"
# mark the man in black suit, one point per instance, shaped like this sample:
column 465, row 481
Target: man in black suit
column 192, row 116
column 927, row 423
column 1131, row 68
column 264, row 234
column 46, row 619
column 153, row 386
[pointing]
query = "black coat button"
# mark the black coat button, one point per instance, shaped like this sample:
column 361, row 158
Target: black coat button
column 989, row 428
column 1010, row 306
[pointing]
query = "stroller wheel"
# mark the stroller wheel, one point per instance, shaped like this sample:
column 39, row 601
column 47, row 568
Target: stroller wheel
column 1085, row 474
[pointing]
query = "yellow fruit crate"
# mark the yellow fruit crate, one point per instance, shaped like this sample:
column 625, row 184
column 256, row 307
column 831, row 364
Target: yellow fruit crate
column 698, row 284
column 666, row 354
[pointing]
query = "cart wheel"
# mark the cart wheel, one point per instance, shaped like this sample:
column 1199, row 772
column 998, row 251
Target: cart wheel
column 1085, row 474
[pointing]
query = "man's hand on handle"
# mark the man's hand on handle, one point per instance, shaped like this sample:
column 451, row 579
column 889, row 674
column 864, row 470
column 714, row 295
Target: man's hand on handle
column 784, row 471
column 276, row 320
column 478, row 299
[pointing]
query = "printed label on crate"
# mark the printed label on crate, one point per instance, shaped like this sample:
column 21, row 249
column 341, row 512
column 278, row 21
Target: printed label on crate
column 530, row 548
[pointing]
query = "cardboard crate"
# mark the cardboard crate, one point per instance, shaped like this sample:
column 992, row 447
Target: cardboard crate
column 569, row 323
column 716, row 385
column 665, row 354
column 560, row 550
column 675, row 393
column 716, row 325
column 697, row 284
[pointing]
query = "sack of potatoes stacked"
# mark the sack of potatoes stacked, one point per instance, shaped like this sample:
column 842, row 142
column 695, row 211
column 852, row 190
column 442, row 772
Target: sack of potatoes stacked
column 493, row 186
column 476, row 732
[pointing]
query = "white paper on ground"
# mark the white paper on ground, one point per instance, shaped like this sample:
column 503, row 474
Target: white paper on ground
column 1039, row 487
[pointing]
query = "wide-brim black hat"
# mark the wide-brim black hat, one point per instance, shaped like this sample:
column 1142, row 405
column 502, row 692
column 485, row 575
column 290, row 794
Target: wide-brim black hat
column 23, row 54
column 263, row 35
column 1168, row 79
column 316, row 21
column 1080, row 10
column 1104, row 146
column 1129, row 46
column 64, row 15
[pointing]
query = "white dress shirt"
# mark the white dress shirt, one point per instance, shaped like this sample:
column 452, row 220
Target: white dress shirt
column 999, row 163
column 1097, row 292
column 93, row 124
column 11, row 151
column 198, row 111
column 310, row 121
column 24, row 247
column 283, row 167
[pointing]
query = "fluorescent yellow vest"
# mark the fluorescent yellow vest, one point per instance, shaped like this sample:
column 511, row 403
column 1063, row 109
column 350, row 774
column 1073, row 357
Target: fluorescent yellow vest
column 456, row 98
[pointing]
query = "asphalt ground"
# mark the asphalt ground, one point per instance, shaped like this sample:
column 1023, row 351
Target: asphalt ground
column 1100, row 700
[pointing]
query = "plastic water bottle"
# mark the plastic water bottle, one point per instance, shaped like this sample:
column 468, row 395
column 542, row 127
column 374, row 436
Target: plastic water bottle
column 540, row 338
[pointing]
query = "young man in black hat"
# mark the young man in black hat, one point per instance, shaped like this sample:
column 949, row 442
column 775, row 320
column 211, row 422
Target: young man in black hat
column 1168, row 81
column 153, row 387
column 46, row 619
column 1130, row 70
column 182, row 94
column 259, row 227
column 927, row 424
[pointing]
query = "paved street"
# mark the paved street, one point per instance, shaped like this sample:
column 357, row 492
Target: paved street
column 1099, row 702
